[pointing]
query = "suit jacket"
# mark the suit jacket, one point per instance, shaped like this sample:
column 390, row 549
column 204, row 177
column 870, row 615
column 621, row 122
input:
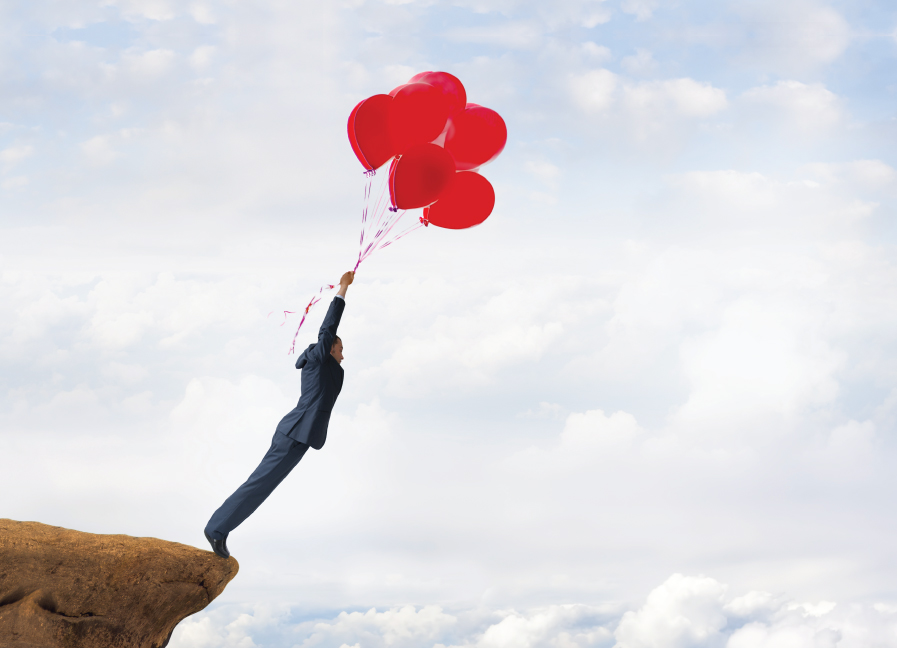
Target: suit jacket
column 322, row 380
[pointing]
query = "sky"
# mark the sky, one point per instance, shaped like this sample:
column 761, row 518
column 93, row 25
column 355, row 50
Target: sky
column 650, row 402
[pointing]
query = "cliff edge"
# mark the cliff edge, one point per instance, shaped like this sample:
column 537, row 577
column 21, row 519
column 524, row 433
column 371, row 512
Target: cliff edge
column 71, row 589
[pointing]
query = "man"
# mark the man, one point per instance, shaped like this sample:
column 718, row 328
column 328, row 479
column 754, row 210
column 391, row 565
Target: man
column 306, row 425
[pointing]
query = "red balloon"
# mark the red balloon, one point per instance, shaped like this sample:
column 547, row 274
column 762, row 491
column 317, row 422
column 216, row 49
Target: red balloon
column 418, row 176
column 467, row 201
column 475, row 137
column 369, row 131
column 450, row 85
column 417, row 115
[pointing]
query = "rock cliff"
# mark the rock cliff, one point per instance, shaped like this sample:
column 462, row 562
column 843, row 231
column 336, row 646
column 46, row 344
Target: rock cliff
column 63, row 588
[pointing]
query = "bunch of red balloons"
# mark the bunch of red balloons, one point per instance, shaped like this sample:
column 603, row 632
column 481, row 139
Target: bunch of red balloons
column 436, row 141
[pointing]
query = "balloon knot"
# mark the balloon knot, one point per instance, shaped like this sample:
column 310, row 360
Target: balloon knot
column 370, row 173
column 424, row 222
column 393, row 209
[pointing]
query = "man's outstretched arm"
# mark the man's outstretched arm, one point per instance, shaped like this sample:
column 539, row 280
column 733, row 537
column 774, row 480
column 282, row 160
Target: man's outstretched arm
column 327, row 334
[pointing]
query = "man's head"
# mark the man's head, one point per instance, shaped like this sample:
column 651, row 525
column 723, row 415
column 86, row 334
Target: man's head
column 337, row 349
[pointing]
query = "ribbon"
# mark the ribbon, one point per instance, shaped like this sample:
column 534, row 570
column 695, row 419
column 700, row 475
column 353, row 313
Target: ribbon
column 377, row 226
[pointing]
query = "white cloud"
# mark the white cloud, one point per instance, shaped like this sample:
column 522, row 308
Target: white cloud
column 544, row 411
column 594, row 432
column 152, row 9
column 805, row 107
column 202, row 56
column 203, row 13
column 864, row 174
column 597, row 17
column 597, row 52
column 595, row 90
column 794, row 36
column 99, row 150
column 648, row 108
column 642, row 62
column 491, row 334
column 687, row 97
column 14, row 182
column 11, row 156
column 764, row 359
column 519, row 35
column 642, row 9
column 153, row 63
column 682, row 612
column 405, row 626
column 685, row 611
column 547, row 172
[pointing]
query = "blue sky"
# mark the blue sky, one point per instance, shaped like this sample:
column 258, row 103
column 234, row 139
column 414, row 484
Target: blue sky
column 651, row 401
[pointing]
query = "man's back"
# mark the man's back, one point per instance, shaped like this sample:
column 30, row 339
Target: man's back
column 322, row 380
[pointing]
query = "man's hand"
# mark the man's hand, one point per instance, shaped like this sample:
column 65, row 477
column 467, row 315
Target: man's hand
column 344, row 282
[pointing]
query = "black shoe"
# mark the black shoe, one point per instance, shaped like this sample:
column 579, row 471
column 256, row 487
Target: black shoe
column 218, row 546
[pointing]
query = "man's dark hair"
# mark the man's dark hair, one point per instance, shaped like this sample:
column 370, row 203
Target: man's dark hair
column 335, row 340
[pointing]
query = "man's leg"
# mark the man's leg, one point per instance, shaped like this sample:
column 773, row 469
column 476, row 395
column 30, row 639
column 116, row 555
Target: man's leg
column 281, row 458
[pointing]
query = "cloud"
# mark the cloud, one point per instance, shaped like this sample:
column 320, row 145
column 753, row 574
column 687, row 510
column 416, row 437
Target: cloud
column 642, row 62
column 794, row 36
column 202, row 56
column 595, row 433
column 13, row 155
column 98, row 150
column 546, row 172
column 517, row 35
column 805, row 107
column 203, row 13
column 544, row 411
column 595, row 90
column 683, row 612
column 641, row 9
column 491, row 334
column 153, row 63
column 863, row 174
column 686, row 97
column 597, row 52
column 152, row 9
column 764, row 359
column 15, row 182
column 405, row 626
column 647, row 107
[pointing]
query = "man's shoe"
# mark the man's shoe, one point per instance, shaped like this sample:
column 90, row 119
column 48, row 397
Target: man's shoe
column 218, row 546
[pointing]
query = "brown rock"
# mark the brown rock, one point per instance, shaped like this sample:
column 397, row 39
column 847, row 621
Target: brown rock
column 71, row 589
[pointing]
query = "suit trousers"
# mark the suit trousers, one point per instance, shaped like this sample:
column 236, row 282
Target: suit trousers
column 281, row 458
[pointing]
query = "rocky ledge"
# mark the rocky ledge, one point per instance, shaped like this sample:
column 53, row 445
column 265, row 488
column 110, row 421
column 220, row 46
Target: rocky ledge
column 64, row 588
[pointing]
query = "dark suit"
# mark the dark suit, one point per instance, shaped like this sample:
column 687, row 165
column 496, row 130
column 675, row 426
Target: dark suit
column 305, row 426
column 322, row 380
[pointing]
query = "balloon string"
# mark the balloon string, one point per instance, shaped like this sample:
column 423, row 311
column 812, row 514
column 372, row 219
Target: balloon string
column 364, row 212
column 384, row 233
column 408, row 231
column 377, row 226
column 380, row 209
column 314, row 300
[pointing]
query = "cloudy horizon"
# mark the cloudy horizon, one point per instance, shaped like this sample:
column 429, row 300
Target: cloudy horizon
column 651, row 401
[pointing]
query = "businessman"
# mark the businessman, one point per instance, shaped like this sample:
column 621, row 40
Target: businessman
column 305, row 426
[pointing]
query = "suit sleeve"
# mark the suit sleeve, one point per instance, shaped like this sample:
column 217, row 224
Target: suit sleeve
column 327, row 334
